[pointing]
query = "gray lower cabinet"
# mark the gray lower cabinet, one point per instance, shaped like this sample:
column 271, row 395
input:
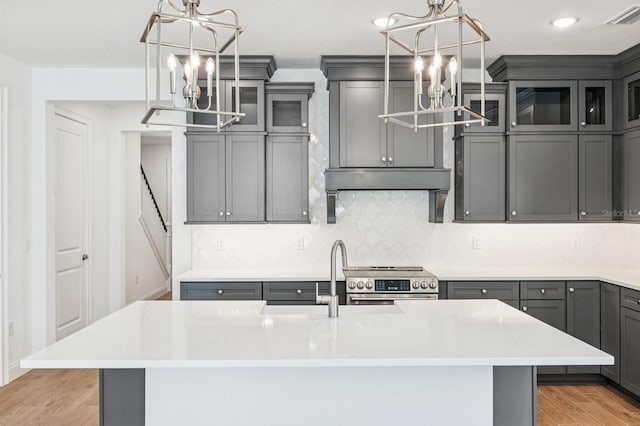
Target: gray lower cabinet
column 543, row 177
column 630, row 349
column 502, row 290
column 610, row 328
column 220, row 291
column 583, row 318
column 595, row 177
column 632, row 175
column 480, row 178
column 366, row 141
column 299, row 292
column 287, row 178
column 225, row 178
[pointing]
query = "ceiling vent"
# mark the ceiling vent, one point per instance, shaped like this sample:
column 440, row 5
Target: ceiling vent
column 627, row 16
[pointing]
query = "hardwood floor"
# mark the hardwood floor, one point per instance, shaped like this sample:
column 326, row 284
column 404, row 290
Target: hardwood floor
column 70, row 397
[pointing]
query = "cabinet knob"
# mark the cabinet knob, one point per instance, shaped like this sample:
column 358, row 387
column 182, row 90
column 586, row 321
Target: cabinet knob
column 304, row 213
column 483, row 291
column 85, row 257
column 221, row 292
column 304, row 125
column 572, row 290
column 514, row 213
column 220, row 213
column 467, row 213
column 298, row 292
column 583, row 123
column 384, row 159
column 467, row 125
column 542, row 290
column 391, row 159
column 524, row 308
column 583, row 213
column 228, row 213
column 514, row 124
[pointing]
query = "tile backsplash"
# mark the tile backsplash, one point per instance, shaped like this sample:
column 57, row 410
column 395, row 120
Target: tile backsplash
column 391, row 227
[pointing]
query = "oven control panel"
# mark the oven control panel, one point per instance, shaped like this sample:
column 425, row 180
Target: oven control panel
column 390, row 285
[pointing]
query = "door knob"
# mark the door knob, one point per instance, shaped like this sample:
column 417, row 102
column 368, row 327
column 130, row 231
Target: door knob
column 85, row 257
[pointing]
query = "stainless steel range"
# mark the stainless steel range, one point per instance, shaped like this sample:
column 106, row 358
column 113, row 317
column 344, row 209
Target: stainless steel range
column 381, row 285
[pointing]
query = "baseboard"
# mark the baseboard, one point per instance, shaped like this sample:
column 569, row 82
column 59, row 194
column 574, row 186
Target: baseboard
column 15, row 371
column 154, row 294
column 569, row 379
column 622, row 390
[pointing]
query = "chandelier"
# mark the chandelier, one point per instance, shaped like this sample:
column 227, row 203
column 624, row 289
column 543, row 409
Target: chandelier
column 182, row 39
column 439, row 38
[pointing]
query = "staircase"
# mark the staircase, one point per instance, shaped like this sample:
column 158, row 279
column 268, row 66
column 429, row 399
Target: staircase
column 156, row 229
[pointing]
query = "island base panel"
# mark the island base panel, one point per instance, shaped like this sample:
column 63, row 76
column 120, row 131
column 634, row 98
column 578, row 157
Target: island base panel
column 320, row 396
column 514, row 396
column 122, row 397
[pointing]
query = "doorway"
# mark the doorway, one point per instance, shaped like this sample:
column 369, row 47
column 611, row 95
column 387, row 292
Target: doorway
column 71, row 223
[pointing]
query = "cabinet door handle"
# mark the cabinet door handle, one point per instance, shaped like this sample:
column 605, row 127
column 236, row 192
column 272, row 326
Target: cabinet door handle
column 304, row 125
column 220, row 213
column 298, row 292
column 514, row 124
column 467, row 213
column 524, row 309
column 228, row 213
column 542, row 290
column 514, row 213
column 384, row 159
column 221, row 292
column 391, row 159
column 583, row 123
column 572, row 290
column 483, row 291
column 304, row 213
column 583, row 213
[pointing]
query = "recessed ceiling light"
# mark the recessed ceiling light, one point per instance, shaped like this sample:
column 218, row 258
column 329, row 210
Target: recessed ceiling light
column 384, row 22
column 564, row 22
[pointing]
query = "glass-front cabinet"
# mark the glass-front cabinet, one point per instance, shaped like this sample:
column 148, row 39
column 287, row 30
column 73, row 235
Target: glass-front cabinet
column 493, row 110
column 595, row 105
column 251, row 104
column 287, row 113
column 632, row 104
column 543, row 106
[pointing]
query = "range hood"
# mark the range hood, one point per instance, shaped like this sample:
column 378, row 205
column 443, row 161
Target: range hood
column 435, row 180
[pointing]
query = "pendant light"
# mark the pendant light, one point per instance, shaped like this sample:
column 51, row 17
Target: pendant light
column 435, row 42
column 181, row 38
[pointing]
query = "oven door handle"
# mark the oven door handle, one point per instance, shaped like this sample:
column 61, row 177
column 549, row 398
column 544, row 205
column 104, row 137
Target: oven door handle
column 386, row 299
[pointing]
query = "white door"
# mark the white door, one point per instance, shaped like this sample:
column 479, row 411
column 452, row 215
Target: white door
column 70, row 225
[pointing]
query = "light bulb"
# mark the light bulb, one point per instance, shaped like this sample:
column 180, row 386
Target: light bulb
column 188, row 72
column 172, row 62
column 210, row 66
column 432, row 71
column 195, row 60
column 437, row 60
column 419, row 65
column 453, row 66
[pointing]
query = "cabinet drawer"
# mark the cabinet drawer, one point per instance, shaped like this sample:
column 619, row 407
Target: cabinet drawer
column 293, row 291
column 542, row 290
column 630, row 299
column 220, row 291
column 504, row 290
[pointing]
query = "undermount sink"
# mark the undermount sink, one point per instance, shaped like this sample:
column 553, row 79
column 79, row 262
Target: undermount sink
column 321, row 310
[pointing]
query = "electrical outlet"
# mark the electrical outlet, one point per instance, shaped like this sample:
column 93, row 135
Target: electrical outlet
column 300, row 243
column 137, row 280
column 11, row 328
column 575, row 245
column 220, row 244
column 475, row 243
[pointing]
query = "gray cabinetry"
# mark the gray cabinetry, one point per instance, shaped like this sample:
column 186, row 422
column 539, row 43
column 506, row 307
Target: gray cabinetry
column 542, row 290
column 632, row 101
column 502, row 290
column 548, row 106
column 287, row 178
column 480, row 177
column 251, row 104
column 632, row 175
column 543, row 177
column 225, row 178
column 610, row 328
column 630, row 348
column 287, row 113
column 366, row 141
column 583, row 318
column 595, row 184
column 299, row 293
column 595, row 106
column 221, row 291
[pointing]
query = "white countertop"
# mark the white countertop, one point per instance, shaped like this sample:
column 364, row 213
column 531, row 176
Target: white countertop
column 621, row 277
column 239, row 334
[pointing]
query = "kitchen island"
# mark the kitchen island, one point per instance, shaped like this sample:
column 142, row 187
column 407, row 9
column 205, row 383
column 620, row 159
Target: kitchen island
column 454, row 362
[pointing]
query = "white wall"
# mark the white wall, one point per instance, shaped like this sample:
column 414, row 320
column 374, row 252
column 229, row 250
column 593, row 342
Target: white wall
column 16, row 77
column 156, row 160
column 391, row 227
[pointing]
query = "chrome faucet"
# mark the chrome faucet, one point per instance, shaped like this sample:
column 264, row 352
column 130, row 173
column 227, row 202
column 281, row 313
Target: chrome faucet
column 332, row 298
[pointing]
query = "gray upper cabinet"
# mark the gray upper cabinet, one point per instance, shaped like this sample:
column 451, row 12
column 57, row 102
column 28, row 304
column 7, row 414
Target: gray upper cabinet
column 610, row 328
column 632, row 101
column 405, row 147
column 251, row 104
column 245, row 186
column 494, row 111
column 480, row 178
column 583, row 318
column 287, row 113
column 543, row 177
column 543, row 106
column 203, row 104
column 206, row 178
column 363, row 136
column 225, row 178
column 287, row 178
column 595, row 106
column 632, row 175
column 366, row 141
column 595, row 181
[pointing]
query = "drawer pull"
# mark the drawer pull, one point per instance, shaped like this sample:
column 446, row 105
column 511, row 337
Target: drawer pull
column 221, row 292
column 572, row 290
column 542, row 290
column 524, row 309
column 298, row 292
column 483, row 291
